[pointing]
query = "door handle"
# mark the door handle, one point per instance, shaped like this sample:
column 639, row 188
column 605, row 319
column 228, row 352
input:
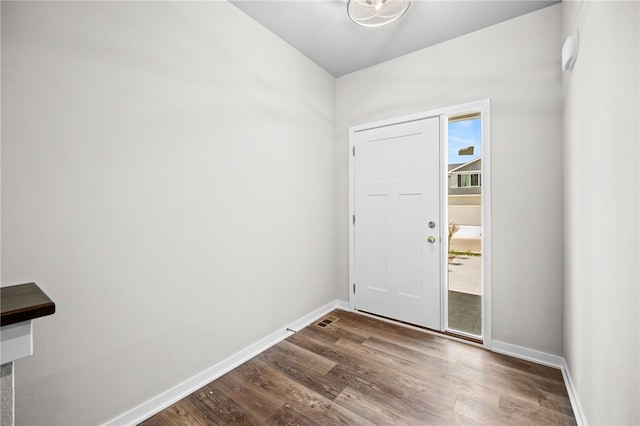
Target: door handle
column 431, row 239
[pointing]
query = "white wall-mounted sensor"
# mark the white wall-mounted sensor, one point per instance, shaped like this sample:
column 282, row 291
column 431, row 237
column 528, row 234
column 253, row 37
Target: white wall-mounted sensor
column 569, row 52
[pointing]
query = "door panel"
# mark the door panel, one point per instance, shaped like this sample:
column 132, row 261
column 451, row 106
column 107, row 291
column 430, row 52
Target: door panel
column 378, row 247
column 397, row 193
column 410, row 268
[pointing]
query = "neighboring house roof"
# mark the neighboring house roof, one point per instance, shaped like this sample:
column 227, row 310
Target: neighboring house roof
column 459, row 167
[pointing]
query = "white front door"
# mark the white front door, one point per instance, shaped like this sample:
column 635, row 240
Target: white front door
column 398, row 234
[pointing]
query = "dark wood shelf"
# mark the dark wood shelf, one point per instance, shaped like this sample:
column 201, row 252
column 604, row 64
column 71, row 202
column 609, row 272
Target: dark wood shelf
column 24, row 302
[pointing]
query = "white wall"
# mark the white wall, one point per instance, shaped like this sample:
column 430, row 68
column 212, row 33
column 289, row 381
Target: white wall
column 516, row 64
column 602, row 331
column 167, row 170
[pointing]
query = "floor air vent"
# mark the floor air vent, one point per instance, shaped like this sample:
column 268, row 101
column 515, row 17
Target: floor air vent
column 326, row 322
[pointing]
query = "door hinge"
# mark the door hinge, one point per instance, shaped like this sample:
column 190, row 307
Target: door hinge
column 354, row 150
column 354, row 220
column 354, row 288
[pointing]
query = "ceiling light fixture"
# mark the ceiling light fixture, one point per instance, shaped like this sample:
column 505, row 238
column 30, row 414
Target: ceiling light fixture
column 374, row 13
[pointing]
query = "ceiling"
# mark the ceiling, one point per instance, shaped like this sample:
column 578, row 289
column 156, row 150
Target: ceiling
column 322, row 31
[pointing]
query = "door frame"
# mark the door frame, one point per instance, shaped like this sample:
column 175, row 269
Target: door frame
column 483, row 106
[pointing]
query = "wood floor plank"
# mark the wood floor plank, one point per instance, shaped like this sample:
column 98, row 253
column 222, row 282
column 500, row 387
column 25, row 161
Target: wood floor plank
column 526, row 414
column 361, row 404
column 525, row 386
column 302, row 356
column 304, row 370
column 261, row 408
column 419, row 341
column 309, row 403
column 220, row 409
column 182, row 412
column 380, row 372
column 480, row 406
column 256, row 379
column 308, row 340
column 559, row 403
column 392, row 398
column 420, row 377
column 286, row 416
column 362, row 371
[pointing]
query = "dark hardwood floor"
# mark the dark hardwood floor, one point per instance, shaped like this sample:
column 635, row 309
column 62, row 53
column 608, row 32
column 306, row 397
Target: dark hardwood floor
column 359, row 370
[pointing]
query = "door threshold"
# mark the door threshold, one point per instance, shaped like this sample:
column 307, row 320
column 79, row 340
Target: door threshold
column 463, row 337
column 447, row 334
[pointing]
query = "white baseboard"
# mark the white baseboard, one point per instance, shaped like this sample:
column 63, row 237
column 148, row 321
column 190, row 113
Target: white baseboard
column 342, row 305
column 165, row 399
column 578, row 412
column 527, row 354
